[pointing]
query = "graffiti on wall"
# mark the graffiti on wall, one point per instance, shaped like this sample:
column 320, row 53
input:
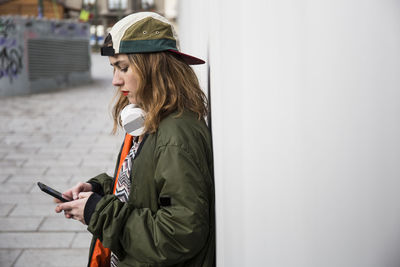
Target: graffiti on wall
column 10, row 52
column 7, row 27
column 69, row 29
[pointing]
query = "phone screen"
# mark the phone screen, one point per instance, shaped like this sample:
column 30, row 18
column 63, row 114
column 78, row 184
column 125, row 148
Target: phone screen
column 51, row 191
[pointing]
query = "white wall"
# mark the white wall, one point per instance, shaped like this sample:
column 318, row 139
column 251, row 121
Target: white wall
column 306, row 126
column 192, row 20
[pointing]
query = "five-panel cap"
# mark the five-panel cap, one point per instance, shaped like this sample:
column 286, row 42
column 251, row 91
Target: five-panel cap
column 145, row 32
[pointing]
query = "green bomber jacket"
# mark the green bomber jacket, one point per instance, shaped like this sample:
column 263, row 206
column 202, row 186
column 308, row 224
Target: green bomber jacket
column 169, row 219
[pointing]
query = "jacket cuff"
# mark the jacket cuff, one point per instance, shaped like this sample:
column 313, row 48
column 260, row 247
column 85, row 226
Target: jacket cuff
column 96, row 187
column 90, row 207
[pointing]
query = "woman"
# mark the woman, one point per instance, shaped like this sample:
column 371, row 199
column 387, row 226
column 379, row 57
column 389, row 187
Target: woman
column 158, row 210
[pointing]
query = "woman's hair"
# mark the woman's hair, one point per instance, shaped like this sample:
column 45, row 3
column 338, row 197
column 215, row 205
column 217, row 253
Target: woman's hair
column 167, row 84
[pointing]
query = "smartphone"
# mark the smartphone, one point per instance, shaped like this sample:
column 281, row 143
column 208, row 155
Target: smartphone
column 51, row 192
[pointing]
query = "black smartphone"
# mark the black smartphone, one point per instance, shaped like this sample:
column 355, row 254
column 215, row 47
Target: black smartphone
column 51, row 192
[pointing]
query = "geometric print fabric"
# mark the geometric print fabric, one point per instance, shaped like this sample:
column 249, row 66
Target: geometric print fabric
column 124, row 185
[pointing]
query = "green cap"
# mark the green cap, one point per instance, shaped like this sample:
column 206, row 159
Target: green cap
column 145, row 32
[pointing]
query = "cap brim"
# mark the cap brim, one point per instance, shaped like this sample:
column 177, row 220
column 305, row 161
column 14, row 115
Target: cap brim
column 191, row 60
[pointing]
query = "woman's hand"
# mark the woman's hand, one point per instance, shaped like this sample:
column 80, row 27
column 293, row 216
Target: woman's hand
column 75, row 209
column 73, row 193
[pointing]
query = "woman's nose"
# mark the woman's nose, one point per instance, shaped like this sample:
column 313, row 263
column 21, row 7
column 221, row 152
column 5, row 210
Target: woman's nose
column 117, row 81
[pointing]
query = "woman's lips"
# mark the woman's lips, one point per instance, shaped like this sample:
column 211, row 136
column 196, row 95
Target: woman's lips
column 125, row 93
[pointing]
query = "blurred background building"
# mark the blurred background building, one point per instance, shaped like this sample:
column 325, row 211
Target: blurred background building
column 46, row 44
column 101, row 14
column 35, row 8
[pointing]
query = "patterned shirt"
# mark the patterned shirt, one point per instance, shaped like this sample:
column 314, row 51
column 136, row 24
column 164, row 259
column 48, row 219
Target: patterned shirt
column 124, row 185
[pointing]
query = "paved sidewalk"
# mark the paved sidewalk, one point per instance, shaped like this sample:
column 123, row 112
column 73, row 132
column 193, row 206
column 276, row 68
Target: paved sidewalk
column 57, row 138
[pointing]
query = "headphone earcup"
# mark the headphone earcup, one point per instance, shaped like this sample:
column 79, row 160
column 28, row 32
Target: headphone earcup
column 132, row 119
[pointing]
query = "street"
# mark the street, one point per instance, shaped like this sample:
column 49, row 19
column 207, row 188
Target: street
column 58, row 138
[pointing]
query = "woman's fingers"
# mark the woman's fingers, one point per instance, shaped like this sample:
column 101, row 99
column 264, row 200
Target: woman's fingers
column 74, row 209
column 79, row 188
column 84, row 194
column 67, row 206
column 76, row 190
column 68, row 194
column 73, row 193
column 68, row 215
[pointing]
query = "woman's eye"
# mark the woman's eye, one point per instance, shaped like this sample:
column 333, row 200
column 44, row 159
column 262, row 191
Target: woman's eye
column 124, row 69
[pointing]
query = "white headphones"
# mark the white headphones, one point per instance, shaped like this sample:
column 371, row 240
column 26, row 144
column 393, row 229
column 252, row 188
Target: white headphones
column 132, row 118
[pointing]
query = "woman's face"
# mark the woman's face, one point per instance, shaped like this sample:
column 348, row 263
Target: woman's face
column 125, row 76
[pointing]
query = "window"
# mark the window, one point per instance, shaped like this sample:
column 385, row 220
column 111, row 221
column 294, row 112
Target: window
column 89, row 2
column 117, row 4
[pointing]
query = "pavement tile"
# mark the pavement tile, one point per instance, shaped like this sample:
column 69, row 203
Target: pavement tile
column 52, row 224
column 39, row 138
column 11, row 163
column 5, row 209
column 53, row 258
column 82, row 240
column 3, row 155
column 33, row 146
column 14, row 224
column 10, row 150
column 109, row 148
column 36, row 210
column 58, row 138
column 76, row 125
column 33, row 154
column 23, row 198
column 78, row 179
column 33, row 162
column 95, row 156
column 4, row 178
column 80, row 146
column 110, row 139
column 6, row 131
column 93, row 163
column 105, row 130
column 8, row 257
column 36, row 240
column 62, row 139
column 27, row 138
column 19, row 156
column 11, row 142
column 83, row 139
column 9, row 187
column 34, row 170
column 7, row 170
column 44, row 178
column 60, row 150
column 87, row 172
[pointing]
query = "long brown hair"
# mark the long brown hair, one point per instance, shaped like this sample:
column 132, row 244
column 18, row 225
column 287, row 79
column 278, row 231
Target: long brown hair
column 166, row 84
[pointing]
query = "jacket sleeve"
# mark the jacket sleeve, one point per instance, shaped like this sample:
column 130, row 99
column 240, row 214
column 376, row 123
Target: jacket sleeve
column 104, row 181
column 175, row 232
